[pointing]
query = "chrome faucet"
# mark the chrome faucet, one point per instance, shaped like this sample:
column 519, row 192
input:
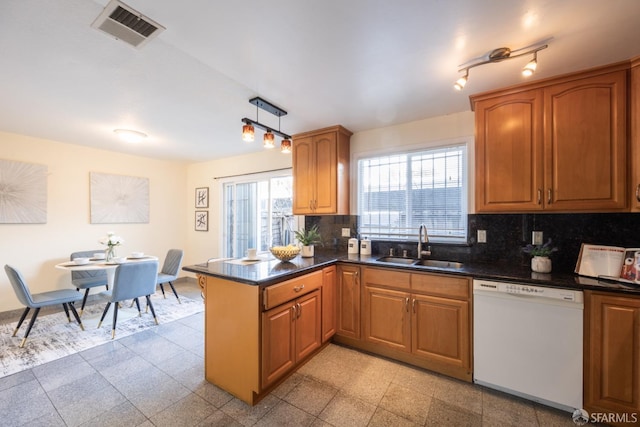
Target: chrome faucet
column 422, row 252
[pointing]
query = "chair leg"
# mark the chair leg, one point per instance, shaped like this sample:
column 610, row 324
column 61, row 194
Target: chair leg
column 75, row 314
column 33, row 320
column 162, row 289
column 115, row 319
column 152, row 310
column 66, row 311
column 175, row 293
column 24, row 315
column 137, row 305
column 104, row 313
column 84, row 300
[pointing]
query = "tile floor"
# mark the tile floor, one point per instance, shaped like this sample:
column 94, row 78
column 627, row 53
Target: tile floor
column 155, row 378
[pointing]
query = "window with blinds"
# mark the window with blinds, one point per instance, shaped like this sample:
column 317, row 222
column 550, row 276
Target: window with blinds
column 400, row 191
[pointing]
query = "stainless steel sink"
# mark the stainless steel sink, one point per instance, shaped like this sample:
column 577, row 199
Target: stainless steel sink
column 396, row 260
column 439, row 263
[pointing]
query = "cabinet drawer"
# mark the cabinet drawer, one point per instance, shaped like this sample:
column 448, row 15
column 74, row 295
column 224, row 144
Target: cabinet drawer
column 445, row 286
column 286, row 291
column 383, row 277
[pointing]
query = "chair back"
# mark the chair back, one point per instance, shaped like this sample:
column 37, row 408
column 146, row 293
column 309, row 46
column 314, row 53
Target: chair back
column 173, row 262
column 88, row 275
column 134, row 279
column 19, row 286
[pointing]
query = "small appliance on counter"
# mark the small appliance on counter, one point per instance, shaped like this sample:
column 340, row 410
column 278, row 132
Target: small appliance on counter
column 353, row 246
column 365, row 247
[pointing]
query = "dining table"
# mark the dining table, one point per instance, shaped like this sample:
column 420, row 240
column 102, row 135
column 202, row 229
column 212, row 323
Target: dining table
column 101, row 264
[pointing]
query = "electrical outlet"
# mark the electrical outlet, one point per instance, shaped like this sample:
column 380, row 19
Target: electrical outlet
column 346, row 232
column 536, row 237
column 482, row 236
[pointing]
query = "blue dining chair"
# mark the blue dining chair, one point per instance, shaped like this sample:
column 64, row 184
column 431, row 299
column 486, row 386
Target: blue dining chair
column 66, row 297
column 170, row 270
column 87, row 279
column 132, row 280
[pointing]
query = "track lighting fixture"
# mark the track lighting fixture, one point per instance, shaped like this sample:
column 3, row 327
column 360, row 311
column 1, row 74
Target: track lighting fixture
column 248, row 129
column 501, row 54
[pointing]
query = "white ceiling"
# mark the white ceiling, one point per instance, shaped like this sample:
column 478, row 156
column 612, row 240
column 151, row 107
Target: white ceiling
column 360, row 63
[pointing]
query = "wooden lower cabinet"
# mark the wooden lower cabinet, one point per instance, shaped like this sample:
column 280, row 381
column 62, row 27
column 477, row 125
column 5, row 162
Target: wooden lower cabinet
column 612, row 356
column 329, row 303
column 348, row 296
column 418, row 318
column 290, row 332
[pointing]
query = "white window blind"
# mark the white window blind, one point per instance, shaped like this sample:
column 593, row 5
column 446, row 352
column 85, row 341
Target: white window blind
column 398, row 192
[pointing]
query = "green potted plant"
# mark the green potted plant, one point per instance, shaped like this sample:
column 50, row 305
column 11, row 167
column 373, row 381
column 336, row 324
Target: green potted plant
column 540, row 261
column 308, row 238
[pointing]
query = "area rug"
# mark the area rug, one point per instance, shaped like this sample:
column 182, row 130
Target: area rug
column 53, row 337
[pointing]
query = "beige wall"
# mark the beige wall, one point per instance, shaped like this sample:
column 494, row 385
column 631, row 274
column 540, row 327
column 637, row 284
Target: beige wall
column 35, row 248
column 204, row 245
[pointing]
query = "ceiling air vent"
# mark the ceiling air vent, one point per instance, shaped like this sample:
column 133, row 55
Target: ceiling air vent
column 126, row 24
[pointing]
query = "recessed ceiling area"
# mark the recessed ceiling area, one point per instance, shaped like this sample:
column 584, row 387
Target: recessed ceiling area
column 360, row 63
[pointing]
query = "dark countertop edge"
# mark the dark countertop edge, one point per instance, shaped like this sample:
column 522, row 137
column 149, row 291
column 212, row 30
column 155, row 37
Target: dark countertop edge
column 477, row 271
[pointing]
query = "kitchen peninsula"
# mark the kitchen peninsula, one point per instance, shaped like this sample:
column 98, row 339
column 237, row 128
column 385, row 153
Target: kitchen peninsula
column 264, row 319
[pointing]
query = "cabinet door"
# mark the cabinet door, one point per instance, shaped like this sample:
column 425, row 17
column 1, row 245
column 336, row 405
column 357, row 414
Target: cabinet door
column 326, row 164
column 308, row 324
column 328, row 302
column 635, row 135
column 612, row 353
column 441, row 330
column 303, row 162
column 349, row 301
column 278, row 346
column 585, row 143
column 387, row 318
column 509, row 168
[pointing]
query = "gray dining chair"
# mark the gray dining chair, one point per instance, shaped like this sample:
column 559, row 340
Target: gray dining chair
column 170, row 270
column 87, row 279
column 66, row 297
column 132, row 280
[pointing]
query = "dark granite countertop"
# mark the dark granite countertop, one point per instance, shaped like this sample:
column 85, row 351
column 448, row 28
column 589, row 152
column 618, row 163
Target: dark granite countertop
column 270, row 270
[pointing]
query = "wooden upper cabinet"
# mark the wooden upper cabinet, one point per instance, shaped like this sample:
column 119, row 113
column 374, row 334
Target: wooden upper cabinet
column 321, row 172
column 555, row 145
column 634, row 92
column 585, row 143
column 509, row 172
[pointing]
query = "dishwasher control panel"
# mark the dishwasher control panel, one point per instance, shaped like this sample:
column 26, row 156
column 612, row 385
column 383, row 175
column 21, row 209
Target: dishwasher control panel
column 525, row 289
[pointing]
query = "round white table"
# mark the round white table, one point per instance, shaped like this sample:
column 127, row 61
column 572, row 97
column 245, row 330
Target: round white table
column 110, row 267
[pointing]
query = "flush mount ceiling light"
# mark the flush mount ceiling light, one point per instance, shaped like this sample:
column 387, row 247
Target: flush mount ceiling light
column 130, row 135
column 248, row 129
column 501, row 54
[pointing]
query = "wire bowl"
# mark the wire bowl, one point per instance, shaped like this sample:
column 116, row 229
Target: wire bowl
column 285, row 253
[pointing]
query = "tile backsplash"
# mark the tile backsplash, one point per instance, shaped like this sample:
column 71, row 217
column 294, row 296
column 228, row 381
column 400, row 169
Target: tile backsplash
column 506, row 235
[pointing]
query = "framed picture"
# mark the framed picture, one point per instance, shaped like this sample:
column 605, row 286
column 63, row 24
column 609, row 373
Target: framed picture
column 202, row 221
column 202, row 197
column 119, row 199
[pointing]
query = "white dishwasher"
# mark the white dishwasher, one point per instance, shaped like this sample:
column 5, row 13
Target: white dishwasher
column 528, row 341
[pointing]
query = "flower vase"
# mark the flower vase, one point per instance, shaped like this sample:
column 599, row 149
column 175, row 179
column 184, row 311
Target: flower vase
column 110, row 253
column 541, row 264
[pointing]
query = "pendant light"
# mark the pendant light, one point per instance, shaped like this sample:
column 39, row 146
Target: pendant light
column 285, row 146
column 268, row 140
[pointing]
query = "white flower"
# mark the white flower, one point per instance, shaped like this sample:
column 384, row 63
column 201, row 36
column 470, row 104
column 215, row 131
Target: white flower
column 111, row 240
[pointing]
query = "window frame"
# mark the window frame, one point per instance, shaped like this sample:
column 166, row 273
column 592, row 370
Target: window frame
column 250, row 177
column 466, row 197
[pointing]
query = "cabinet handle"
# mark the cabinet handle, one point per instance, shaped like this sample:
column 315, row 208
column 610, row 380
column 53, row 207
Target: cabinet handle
column 299, row 310
column 310, row 205
column 413, row 305
column 638, row 192
column 549, row 196
column 298, row 288
column 539, row 196
column 406, row 304
column 293, row 312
